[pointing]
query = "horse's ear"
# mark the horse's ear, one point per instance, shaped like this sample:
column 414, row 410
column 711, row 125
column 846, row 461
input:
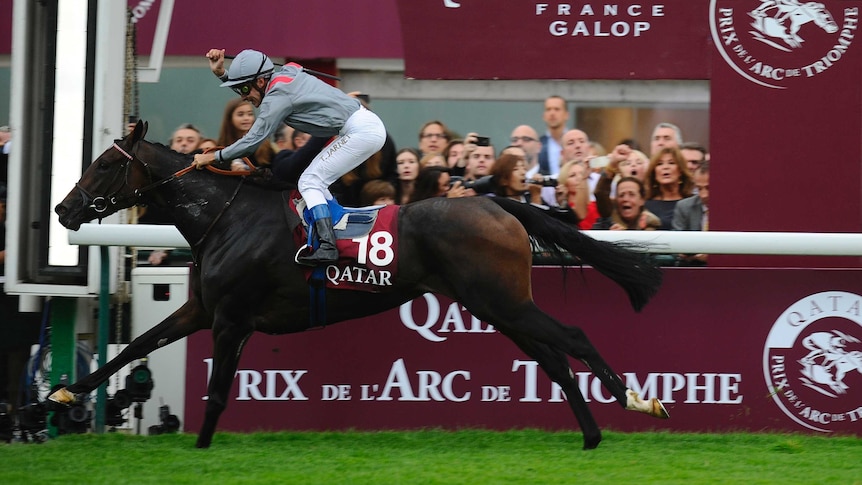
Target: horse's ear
column 140, row 131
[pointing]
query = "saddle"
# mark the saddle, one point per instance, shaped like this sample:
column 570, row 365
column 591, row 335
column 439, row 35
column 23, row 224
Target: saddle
column 366, row 241
column 348, row 222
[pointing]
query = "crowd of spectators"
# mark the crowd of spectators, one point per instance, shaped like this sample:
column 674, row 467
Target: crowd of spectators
column 561, row 170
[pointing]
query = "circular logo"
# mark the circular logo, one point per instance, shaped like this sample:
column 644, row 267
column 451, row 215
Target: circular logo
column 812, row 362
column 781, row 43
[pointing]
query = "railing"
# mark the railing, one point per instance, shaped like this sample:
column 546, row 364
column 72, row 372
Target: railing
column 713, row 242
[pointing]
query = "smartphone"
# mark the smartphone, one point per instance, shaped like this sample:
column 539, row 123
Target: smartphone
column 483, row 141
column 599, row 162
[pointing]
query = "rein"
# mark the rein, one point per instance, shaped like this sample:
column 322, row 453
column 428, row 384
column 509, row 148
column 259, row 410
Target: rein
column 102, row 203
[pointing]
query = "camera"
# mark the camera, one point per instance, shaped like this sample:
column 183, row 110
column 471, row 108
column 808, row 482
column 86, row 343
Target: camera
column 484, row 185
column 483, row 141
column 467, row 184
column 545, row 181
column 549, row 181
column 169, row 423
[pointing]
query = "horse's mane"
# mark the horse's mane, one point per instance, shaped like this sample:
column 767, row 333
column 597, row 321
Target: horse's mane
column 261, row 177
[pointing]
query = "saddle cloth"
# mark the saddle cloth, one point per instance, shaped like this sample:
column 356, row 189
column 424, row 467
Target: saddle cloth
column 367, row 245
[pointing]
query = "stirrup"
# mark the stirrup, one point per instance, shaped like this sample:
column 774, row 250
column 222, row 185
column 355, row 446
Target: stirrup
column 298, row 252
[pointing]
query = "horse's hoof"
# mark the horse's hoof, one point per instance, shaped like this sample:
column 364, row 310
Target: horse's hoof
column 658, row 409
column 62, row 396
column 592, row 442
column 653, row 407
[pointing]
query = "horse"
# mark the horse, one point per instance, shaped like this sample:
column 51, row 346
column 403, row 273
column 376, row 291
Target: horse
column 244, row 278
column 787, row 17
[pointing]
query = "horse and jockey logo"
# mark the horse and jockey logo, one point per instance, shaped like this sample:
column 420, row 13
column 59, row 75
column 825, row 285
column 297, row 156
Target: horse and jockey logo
column 812, row 361
column 824, row 368
column 781, row 43
column 778, row 22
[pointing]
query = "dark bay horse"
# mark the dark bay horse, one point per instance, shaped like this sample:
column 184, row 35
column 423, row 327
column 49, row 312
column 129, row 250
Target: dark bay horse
column 475, row 250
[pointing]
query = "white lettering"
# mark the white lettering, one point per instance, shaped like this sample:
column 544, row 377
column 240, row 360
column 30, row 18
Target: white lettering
column 398, row 380
column 406, row 314
column 250, row 380
column 530, row 374
column 559, row 28
column 454, row 320
column 140, row 10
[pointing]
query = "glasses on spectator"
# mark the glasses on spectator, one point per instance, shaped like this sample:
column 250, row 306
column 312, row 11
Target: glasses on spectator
column 525, row 139
column 440, row 136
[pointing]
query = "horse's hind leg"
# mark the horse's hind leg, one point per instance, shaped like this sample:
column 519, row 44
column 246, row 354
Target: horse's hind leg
column 556, row 366
column 187, row 320
column 228, row 340
column 529, row 320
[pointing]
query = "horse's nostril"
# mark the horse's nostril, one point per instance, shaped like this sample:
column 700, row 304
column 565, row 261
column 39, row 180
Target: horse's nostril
column 60, row 209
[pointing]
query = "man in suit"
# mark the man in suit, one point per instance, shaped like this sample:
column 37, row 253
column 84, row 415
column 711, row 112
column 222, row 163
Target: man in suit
column 692, row 214
column 556, row 115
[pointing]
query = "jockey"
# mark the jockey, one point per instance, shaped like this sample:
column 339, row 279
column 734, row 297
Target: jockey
column 308, row 104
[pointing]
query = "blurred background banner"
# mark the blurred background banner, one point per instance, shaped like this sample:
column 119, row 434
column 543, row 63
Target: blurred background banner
column 522, row 39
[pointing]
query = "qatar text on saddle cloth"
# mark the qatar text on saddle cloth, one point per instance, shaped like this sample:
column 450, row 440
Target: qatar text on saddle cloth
column 368, row 250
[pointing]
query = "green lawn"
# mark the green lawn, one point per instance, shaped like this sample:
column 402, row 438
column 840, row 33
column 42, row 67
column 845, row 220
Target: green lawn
column 435, row 456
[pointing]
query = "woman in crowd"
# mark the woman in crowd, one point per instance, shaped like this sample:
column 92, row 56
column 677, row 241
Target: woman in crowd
column 432, row 159
column 629, row 212
column 434, row 182
column 667, row 182
column 635, row 165
column 237, row 120
column 573, row 193
column 407, row 167
column 508, row 175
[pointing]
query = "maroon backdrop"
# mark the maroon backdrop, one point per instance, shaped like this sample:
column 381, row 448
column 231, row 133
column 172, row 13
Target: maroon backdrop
column 786, row 151
column 284, row 28
column 520, row 39
column 699, row 346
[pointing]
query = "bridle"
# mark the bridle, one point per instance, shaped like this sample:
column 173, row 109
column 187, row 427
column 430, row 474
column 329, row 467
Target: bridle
column 101, row 203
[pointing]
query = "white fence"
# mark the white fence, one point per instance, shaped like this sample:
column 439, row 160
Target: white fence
column 714, row 242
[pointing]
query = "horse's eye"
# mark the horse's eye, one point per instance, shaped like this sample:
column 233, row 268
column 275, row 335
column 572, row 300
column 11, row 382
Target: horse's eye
column 103, row 164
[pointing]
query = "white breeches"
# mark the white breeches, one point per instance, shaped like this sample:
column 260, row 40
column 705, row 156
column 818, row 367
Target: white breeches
column 362, row 136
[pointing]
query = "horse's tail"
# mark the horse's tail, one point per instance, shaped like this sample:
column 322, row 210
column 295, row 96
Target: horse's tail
column 632, row 270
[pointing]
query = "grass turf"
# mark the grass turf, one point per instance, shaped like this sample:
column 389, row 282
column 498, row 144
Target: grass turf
column 437, row 456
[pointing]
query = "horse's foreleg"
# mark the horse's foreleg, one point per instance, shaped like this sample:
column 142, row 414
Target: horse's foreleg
column 187, row 320
column 556, row 366
column 228, row 340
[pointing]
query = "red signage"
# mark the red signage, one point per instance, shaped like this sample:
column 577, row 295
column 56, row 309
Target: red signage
column 724, row 349
column 525, row 39
column 785, row 120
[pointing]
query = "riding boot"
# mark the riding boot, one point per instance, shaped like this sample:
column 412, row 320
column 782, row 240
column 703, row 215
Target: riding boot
column 326, row 251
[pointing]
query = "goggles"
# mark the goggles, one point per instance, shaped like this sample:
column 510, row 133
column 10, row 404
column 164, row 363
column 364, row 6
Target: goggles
column 242, row 89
